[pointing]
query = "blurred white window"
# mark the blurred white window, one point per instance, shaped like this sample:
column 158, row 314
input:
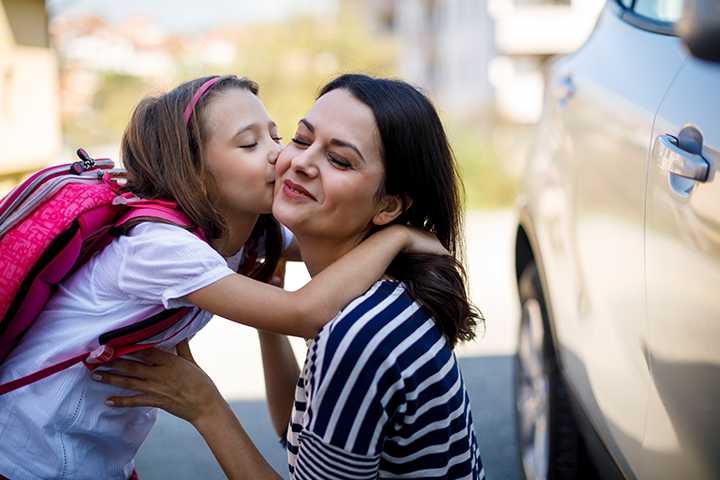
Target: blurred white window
column 663, row 10
column 541, row 2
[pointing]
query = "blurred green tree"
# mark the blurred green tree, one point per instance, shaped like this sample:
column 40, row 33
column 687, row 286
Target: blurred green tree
column 290, row 61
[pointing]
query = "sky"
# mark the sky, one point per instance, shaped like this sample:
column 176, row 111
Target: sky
column 195, row 14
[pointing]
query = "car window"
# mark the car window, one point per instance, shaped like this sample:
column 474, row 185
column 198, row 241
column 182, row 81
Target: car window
column 663, row 10
column 658, row 16
column 540, row 2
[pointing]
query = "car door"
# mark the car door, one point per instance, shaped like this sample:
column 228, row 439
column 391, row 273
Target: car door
column 682, row 236
column 608, row 94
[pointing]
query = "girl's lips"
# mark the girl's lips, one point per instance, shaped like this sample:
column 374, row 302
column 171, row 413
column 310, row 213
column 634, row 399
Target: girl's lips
column 293, row 190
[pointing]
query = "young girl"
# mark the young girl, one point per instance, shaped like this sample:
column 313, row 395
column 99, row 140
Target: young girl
column 380, row 394
column 210, row 146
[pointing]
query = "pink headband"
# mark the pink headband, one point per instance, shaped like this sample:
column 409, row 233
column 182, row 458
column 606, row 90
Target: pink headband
column 203, row 88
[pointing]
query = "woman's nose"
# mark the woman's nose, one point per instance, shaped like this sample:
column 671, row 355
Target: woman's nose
column 305, row 163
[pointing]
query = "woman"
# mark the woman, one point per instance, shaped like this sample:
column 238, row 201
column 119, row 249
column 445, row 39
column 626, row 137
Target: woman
column 380, row 393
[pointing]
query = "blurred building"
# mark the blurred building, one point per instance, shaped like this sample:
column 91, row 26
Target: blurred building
column 30, row 134
column 444, row 45
column 91, row 51
column 485, row 55
column 528, row 32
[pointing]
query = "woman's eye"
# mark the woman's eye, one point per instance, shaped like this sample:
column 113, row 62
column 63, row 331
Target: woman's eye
column 277, row 139
column 339, row 163
column 299, row 142
column 249, row 145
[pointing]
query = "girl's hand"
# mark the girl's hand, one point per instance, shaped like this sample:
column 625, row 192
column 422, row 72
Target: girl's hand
column 420, row 240
column 174, row 383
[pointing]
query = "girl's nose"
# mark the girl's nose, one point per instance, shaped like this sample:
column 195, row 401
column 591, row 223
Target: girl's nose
column 274, row 154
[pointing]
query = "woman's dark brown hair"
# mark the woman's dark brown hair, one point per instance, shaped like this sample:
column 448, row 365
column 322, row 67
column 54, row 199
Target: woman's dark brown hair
column 419, row 164
column 164, row 159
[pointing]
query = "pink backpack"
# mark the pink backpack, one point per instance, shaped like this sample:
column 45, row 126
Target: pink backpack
column 51, row 224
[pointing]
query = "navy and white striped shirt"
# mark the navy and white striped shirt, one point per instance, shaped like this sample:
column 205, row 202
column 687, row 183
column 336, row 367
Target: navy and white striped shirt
column 381, row 394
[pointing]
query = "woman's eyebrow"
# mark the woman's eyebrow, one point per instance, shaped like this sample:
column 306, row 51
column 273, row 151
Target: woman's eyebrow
column 334, row 141
column 342, row 143
column 308, row 125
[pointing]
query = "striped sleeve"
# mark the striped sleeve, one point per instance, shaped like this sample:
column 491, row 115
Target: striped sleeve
column 318, row 460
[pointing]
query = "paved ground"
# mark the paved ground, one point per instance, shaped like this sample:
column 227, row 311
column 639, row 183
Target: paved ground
column 230, row 354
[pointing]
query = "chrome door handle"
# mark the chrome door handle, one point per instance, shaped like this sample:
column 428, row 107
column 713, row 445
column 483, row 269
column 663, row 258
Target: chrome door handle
column 669, row 156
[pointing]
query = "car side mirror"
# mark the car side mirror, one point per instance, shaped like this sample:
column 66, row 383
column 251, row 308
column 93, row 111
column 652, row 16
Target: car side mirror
column 699, row 28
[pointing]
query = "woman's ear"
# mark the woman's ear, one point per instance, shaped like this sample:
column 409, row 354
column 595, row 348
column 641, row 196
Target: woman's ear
column 391, row 208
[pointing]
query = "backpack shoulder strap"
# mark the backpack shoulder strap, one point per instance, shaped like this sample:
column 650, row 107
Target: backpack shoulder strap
column 158, row 209
column 110, row 348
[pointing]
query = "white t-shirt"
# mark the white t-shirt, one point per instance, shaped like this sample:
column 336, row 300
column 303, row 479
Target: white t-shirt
column 60, row 427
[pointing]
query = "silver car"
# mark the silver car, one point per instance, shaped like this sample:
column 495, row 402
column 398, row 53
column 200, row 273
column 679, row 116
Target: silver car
column 618, row 253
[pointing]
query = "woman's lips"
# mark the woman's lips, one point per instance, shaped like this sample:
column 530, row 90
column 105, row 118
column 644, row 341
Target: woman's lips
column 293, row 190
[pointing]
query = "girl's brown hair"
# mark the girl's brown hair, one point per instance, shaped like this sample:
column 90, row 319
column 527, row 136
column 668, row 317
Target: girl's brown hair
column 164, row 159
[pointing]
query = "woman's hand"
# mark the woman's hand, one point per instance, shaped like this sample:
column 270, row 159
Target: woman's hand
column 174, row 383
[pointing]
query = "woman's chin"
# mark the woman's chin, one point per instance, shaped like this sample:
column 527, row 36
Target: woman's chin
column 284, row 215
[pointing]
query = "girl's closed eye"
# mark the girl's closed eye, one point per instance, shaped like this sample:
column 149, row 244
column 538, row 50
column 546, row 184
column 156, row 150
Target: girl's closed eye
column 274, row 134
column 246, row 140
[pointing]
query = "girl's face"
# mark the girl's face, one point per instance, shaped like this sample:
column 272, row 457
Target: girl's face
column 328, row 176
column 241, row 148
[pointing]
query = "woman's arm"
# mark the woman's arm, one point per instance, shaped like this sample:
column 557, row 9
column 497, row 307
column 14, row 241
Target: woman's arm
column 177, row 385
column 304, row 312
column 280, row 368
column 281, row 375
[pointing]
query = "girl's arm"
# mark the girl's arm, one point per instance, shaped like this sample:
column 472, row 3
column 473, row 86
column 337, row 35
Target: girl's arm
column 304, row 312
column 177, row 385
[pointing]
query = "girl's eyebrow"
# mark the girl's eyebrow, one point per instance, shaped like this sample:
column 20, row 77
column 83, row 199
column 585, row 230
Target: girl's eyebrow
column 334, row 141
column 252, row 126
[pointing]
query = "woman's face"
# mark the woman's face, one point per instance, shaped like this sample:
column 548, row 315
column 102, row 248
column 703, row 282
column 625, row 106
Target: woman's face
column 241, row 148
column 328, row 176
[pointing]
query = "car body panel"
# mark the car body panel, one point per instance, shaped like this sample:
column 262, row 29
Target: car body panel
column 683, row 290
column 632, row 284
column 590, row 219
